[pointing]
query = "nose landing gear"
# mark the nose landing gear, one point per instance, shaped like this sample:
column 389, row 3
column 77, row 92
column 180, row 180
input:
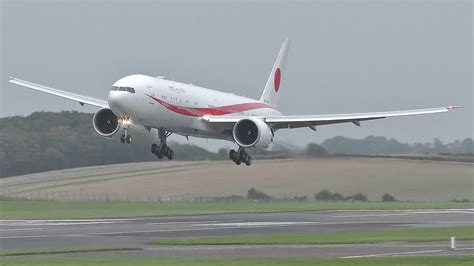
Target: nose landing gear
column 162, row 150
column 240, row 156
column 125, row 137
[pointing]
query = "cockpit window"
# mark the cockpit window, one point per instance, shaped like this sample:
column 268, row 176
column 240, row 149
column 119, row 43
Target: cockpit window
column 129, row 89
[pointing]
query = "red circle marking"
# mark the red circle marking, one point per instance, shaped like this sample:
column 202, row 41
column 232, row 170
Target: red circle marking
column 277, row 79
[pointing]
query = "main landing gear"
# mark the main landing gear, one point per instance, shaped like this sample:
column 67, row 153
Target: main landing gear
column 125, row 137
column 240, row 156
column 162, row 150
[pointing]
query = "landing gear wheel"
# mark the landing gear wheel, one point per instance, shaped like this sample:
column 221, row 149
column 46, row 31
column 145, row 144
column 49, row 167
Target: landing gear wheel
column 122, row 138
column 240, row 157
column 162, row 150
column 243, row 156
column 248, row 162
column 154, row 148
column 128, row 139
column 170, row 154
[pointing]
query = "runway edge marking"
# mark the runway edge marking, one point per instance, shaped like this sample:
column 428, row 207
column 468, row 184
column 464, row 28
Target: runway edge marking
column 394, row 254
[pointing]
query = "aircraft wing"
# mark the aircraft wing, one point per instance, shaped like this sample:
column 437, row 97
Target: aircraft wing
column 64, row 94
column 297, row 121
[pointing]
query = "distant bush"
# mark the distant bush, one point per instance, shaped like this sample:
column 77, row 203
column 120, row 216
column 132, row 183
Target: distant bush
column 324, row 195
column 300, row 198
column 338, row 196
column 257, row 195
column 461, row 200
column 388, row 198
column 359, row 197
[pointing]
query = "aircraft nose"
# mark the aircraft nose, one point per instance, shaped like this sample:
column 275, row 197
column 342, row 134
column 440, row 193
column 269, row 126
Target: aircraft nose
column 117, row 101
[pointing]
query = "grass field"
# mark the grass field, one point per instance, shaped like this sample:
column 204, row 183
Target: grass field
column 386, row 261
column 70, row 210
column 348, row 237
column 405, row 179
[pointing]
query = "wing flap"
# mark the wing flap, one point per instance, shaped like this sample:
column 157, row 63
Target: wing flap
column 64, row 94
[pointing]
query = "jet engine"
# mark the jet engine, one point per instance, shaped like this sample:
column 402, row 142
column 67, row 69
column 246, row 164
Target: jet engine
column 105, row 122
column 252, row 132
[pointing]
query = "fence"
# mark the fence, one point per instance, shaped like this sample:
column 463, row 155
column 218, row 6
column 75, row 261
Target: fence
column 87, row 196
column 120, row 197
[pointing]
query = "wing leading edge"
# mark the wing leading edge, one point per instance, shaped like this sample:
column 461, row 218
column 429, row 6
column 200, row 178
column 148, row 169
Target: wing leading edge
column 297, row 121
column 64, row 94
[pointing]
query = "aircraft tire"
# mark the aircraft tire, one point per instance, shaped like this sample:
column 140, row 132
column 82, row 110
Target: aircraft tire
column 164, row 148
column 170, row 154
column 154, row 148
column 248, row 162
column 243, row 156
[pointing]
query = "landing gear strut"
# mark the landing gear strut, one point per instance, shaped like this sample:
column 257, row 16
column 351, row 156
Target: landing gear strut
column 162, row 150
column 240, row 156
column 125, row 137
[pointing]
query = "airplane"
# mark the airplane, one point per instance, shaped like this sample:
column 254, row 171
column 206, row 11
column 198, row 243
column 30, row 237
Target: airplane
column 162, row 107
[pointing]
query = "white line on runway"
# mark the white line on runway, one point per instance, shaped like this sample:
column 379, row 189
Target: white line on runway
column 370, row 215
column 405, row 213
column 178, row 230
column 250, row 224
column 441, row 212
column 60, row 223
column 71, row 220
column 191, row 222
column 460, row 249
column 42, row 236
column 20, row 229
column 402, row 210
column 125, row 232
column 394, row 254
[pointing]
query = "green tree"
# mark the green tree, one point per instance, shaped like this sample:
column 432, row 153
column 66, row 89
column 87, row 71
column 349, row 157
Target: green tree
column 314, row 150
column 387, row 198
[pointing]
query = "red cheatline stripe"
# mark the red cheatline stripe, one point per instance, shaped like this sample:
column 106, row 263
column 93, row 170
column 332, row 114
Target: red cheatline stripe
column 223, row 110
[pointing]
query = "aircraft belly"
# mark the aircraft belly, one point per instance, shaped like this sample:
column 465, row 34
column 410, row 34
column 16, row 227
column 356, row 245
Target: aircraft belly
column 160, row 117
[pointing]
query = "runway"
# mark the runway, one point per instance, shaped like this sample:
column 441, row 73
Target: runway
column 139, row 232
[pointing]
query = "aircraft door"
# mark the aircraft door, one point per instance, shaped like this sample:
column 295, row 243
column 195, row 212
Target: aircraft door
column 151, row 92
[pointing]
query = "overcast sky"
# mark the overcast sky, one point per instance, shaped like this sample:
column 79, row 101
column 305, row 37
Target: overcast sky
column 346, row 56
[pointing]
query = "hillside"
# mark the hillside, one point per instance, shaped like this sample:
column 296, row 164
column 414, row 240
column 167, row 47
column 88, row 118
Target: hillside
column 405, row 179
column 46, row 141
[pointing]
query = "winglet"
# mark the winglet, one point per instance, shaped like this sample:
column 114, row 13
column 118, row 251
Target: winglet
column 452, row 107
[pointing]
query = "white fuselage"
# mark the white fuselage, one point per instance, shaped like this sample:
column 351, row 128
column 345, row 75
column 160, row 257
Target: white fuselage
column 179, row 107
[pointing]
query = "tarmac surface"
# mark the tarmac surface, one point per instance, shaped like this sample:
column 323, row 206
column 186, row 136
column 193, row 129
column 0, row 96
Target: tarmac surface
column 139, row 232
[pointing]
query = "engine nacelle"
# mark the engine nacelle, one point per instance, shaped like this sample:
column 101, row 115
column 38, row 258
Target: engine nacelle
column 105, row 122
column 252, row 132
